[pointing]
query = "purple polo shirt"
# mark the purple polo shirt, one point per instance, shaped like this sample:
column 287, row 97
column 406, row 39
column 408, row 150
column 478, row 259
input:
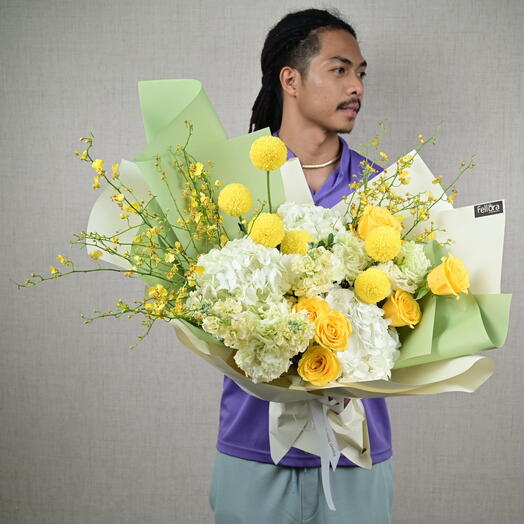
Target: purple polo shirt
column 244, row 425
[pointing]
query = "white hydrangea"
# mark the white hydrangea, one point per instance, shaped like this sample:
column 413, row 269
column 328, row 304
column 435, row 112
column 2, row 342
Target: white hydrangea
column 315, row 272
column 373, row 345
column 349, row 248
column 413, row 262
column 318, row 221
column 244, row 270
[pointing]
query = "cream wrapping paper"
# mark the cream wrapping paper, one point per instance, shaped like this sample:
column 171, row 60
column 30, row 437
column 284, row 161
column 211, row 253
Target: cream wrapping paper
column 302, row 416
column 322, row 427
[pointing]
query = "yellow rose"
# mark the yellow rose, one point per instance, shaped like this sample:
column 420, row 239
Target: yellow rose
column 315, row 307
column 375, row 216
column 450, row 277
column 319, row 366
column 332, row 330
column 402, row 309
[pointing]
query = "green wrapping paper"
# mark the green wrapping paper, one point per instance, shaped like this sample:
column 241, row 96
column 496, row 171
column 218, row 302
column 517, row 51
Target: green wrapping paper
column 452, row 328
column 166, row 105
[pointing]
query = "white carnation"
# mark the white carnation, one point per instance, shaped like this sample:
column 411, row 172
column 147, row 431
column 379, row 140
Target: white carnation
column 413, row 262
column 397, row 278
column 318, row 221
column 349, row 248
column 373, row 345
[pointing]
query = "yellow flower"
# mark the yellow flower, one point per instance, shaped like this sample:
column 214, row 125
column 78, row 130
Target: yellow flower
column 315, row 307
column 96, row 182
column 450, row 277
column 383, row 243
column 62, row 260
column 268, row 153
column 375, row 216
column 158, row 292
column 118, row 197
column 95, row 255
column 53, row 270
column 97, row 165
column 267, row 229
column 235, row 199
column 114, row 170
column 295, row 242
column 332, row 330
column 319, row 366
column 134, row 207
column 199, row 270
column 402, row 309
column 196, row 169
column 372, row 285
column 169, row 257
column 383, row 156
column 83, row 156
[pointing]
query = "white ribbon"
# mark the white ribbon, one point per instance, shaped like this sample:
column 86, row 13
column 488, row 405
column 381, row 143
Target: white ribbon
column 321, row 426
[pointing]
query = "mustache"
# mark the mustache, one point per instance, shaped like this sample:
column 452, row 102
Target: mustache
column 351, row 101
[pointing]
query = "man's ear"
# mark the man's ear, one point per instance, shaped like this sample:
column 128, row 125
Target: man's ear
column 289, row 80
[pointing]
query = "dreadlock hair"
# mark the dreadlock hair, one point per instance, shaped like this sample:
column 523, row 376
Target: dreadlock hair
column 291, row 42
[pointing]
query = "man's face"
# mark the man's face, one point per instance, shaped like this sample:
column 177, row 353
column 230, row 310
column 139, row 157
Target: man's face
column 332, row 92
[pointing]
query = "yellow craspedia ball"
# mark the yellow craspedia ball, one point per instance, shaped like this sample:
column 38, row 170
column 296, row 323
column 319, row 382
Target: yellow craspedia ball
column 268, row 153
column 235, row 199
column 267, row 229
column 383, row 243
column 295, row 242
column 372, row 285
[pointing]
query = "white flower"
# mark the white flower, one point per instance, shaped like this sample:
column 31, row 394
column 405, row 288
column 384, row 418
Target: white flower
column 318, row 221
column 349, row 248
column 242, row 269
column 315, row 272
column 413, row 262
column 373, row 345
column 397, row 278
column 276, row 336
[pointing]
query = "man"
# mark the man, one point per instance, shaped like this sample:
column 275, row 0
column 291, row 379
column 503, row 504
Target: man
column 312, row 89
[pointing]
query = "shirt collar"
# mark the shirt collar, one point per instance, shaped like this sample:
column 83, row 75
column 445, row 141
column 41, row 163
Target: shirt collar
column 344, row 158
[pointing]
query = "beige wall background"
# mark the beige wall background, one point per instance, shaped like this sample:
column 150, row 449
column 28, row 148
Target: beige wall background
column 93, row 433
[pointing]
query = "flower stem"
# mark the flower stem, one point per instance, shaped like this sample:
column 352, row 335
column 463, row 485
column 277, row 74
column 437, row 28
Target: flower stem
column 268, row 192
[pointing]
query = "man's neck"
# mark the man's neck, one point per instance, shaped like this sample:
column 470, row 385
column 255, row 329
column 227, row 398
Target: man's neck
column 310, row 145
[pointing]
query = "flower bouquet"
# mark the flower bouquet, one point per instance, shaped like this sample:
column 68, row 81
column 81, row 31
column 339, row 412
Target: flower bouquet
column 300, row 305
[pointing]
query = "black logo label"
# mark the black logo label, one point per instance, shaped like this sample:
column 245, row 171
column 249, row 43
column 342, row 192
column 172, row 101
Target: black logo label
column 489, row 208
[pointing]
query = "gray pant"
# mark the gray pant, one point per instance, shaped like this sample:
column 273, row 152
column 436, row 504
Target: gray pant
column 250, row 492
